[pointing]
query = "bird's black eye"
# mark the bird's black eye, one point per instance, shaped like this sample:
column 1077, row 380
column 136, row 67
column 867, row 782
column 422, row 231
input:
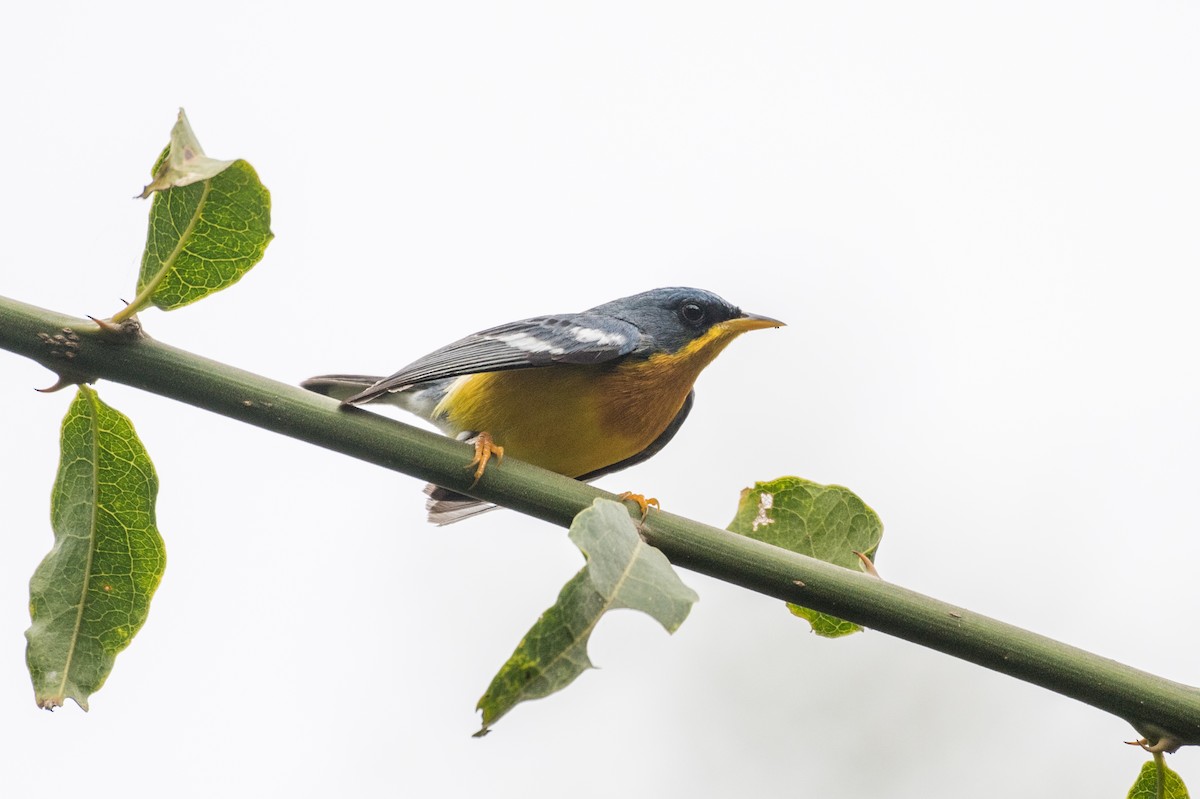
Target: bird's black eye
column 692, row 313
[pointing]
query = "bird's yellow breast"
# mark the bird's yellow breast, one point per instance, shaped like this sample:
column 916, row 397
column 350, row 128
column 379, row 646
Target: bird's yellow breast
column 576, row 419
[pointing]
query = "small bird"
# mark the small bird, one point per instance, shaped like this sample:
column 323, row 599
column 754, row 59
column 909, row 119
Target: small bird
column 581, row 394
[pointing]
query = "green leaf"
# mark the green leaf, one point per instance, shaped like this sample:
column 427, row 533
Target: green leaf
column 1146, row 786
column 210, row 222
column 91, row 593
column 622, row 571
column 823, row 624
column 822, row 521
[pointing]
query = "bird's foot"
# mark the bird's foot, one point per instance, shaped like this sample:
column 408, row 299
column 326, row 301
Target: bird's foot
column 641, row 501
column 485, row 448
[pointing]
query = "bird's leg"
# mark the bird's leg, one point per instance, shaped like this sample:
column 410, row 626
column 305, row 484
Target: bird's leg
column 642, row 502
column 485, row 448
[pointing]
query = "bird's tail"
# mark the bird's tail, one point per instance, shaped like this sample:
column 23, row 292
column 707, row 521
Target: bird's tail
column 340, row 387
column 447, row 507
column 444, row 506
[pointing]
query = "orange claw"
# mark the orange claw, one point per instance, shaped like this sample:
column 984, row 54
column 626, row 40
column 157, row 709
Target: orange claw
column 485, row 448
column 642, row 502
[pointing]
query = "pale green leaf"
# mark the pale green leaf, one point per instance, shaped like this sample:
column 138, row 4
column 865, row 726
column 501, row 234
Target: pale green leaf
column 183, row 161
column 1146, row 786
column 91, row 593
column 622, row 571
column 828, row 522
column 210, row 222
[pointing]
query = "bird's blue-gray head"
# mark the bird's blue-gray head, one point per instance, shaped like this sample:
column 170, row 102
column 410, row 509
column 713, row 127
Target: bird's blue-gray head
column 671, row 318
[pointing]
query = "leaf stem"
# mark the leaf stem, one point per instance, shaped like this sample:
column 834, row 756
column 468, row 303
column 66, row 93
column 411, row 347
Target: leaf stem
column 1158, row 708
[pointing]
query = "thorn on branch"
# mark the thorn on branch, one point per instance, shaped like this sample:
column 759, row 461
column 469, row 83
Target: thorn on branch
column 868, row 564
column 1168, row 745
column 125, row 330
column 62, row 382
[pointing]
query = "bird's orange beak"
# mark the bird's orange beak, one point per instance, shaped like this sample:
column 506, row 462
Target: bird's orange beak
column 750, row 322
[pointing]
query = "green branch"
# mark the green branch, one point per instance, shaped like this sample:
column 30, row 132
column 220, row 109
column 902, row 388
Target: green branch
column 1165, row 712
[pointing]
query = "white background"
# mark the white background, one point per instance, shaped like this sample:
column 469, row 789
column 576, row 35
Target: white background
column 979, row 221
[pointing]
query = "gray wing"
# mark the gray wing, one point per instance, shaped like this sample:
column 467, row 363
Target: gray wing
column 540, row 341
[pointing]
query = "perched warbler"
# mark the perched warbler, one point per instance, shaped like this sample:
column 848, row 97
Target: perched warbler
column 582, row 394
